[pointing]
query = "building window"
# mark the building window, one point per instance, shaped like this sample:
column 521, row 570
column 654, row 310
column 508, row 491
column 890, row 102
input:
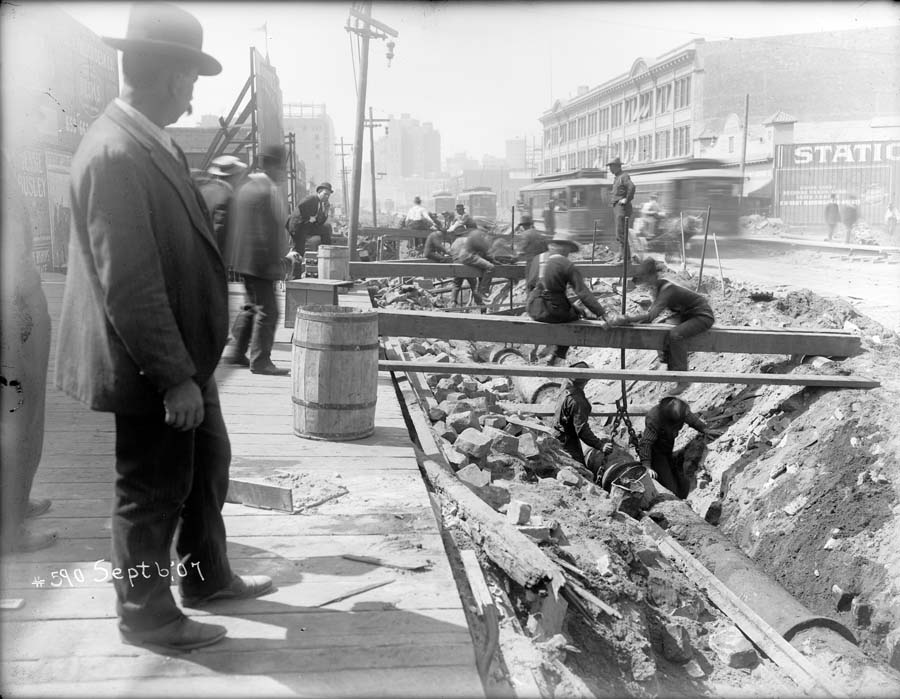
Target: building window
column 616, row 115
column 563, row 132
column 683, row 92
column 592, row 123
column 604, row 119
column 582, row 159
column 547, row 165
column 573, row 133
column 731, row 144
column 554, row 135
column 630, row 147
column 645, row 147
column 663, row 146
column 582, row 127
column 645, row 107
column 554, row 165
column 547, row 137
column 617, row 149
column 631, row 113
column 663, row 98
column 591, row 157
column 682, row 138
column 602, row 156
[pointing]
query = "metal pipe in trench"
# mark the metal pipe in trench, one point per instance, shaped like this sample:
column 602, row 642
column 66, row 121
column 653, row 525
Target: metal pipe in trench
column 532, row 389
column 825, row 641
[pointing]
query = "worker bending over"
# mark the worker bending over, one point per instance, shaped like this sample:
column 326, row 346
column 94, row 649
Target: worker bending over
column 691, row 314
column 657, row 443
column 437, row 246
column 570, row 421
column 472, row 248
column 549, row 276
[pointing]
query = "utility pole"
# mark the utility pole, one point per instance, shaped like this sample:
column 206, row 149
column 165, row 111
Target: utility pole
column 744, row 150
column 372, row 122
column 367, row 28
column 344, row 171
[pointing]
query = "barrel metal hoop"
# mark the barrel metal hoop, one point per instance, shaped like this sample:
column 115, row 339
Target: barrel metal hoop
column 337, row 318
column 334, row 348
column 333, row 406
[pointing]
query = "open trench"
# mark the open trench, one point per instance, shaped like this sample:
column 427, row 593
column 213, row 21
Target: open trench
column 766, row 467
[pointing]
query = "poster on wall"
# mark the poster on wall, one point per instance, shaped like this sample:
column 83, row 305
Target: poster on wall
column 269, row 109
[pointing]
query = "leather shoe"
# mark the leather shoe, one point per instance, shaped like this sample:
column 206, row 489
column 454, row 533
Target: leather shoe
column 37, row 507
column 236, row 360
column 270, row 370
column 180, row 635
column 240, row 587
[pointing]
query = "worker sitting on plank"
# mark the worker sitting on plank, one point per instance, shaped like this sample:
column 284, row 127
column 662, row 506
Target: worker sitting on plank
column 437, row 246
column 549, row 276
column 570, row 420
column 472, row 248
column 657, row 443
column 692, row 315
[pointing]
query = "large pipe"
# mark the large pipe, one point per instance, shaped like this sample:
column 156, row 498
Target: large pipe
column 825, row 641
column 532, row 389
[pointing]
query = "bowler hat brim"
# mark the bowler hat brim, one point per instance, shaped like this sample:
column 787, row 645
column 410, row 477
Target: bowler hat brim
column 205, row 64
column 571, row 244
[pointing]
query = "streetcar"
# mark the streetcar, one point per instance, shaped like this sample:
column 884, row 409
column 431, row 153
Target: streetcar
column 443, row 201
column 685, row 186
column 479, row 202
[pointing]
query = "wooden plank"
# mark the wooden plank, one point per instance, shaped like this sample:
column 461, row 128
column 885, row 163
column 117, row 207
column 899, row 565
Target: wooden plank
column 583, row 333
column 547, row 409
column 437, row 270
column 256, row 494
column 788, row 658
column 630, row 374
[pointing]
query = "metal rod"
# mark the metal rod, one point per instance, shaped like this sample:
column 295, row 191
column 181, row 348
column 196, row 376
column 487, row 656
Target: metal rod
column 719, row 260
column 703, row 254
column 594, row 241
column 625, row 257
column 360, row 119
column 683, row 254
column 744, row 151
column 372, row 164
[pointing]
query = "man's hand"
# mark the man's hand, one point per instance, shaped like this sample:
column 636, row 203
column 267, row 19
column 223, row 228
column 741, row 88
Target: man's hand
column 607, row 448
column 184, row 406
column 617, row 320
column 604, row 325
column 652, row 473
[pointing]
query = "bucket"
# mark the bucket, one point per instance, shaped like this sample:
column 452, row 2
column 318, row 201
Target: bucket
column 334, row 262
column 335, row 372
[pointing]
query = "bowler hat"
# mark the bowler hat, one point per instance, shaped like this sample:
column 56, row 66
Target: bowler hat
column 226, row 166
column 325, row 185
column 615, row 161
column 647, row 267
column 526, row 218
column 166, row 29
column 565, row 239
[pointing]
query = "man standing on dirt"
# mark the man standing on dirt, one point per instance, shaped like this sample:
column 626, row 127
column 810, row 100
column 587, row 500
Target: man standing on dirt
column 832, row 216
column 849, row 217
column 657, row 443
column 620, row 197
column 570, row 420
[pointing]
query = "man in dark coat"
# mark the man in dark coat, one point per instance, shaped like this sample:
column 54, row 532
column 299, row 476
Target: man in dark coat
column 657, row 442
column 832, row 216
column 218, row 194
column 620, row 198
column 144, row 321
column 308, row 221
column 258, row 251
column 549, row 277
column 849, row 217
column 570, row 420
column 531, row 242
column 472, row 249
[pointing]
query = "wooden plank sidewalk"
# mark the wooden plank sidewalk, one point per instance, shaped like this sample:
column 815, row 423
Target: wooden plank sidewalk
column 408, row 638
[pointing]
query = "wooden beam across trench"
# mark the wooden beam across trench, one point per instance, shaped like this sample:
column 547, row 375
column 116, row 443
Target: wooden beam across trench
column 629, row 374
column 440, row 270
column 584, row 333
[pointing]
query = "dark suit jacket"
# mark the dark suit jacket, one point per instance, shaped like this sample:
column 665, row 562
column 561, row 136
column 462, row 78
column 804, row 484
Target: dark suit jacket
column 259, row 241
column 146, row 300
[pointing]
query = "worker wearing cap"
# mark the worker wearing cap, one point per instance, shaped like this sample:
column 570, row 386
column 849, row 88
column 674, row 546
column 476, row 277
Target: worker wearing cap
column 532, row 242
column 620, row 198
column 571, row 419
column 218, row 193
column 550, row 275
column 691, row 314
column 657, row 442
column 309, row 220
column 471, row 248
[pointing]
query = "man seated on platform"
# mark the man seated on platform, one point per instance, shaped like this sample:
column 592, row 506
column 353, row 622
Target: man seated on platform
column 570, row 420
column 308, row 221
column 472, row 249
column 691, row 315
column 437, row 247
column 657, row 443
column 549, row 277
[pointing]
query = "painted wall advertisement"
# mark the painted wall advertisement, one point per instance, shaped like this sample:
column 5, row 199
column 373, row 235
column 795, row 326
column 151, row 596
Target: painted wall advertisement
column 60, row 76
column 807, row 174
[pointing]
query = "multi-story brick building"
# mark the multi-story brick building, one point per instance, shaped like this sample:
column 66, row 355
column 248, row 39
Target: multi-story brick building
column 675, row 105
column 313, row 131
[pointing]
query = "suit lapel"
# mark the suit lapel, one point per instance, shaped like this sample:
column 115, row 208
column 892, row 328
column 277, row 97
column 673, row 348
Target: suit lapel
column 177, row 173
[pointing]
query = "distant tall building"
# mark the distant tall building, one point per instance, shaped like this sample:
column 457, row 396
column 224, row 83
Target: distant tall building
column 314, row 133
column 459, row 163
column 409, row 149
column 515, row 154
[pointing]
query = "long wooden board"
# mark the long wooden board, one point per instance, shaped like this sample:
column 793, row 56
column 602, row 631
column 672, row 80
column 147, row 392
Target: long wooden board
column 439, row 270
column 582, row 333
column 630, row 374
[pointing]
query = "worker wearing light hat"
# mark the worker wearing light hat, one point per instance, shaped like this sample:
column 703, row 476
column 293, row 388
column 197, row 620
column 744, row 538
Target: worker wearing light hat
column 218, row 193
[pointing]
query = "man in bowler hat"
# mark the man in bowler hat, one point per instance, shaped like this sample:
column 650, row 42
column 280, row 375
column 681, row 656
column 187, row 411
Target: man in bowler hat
column 308, row 221
column 144, row 321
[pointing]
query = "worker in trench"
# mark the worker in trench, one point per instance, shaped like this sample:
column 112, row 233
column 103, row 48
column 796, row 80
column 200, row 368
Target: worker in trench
column 656, row 446
column 691, row 315
column 570, row 420
column 549, row 277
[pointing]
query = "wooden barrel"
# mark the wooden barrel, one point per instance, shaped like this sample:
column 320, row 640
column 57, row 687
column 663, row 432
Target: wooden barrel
column 334, row 262
column 335, row 372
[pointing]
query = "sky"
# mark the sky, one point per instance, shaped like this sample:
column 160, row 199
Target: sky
column 482, row 73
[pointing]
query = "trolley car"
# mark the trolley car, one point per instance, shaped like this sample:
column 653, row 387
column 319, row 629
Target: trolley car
column 479, row 201
column 443, row 201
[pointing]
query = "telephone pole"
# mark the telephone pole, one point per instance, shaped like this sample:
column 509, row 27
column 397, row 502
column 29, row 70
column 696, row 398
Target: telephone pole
column 367, row 28
column 344, row 171
column 372, row 122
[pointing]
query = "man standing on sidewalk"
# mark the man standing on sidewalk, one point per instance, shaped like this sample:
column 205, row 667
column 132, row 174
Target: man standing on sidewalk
column 620, row 197
column 258, row 251
column 144, row 321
